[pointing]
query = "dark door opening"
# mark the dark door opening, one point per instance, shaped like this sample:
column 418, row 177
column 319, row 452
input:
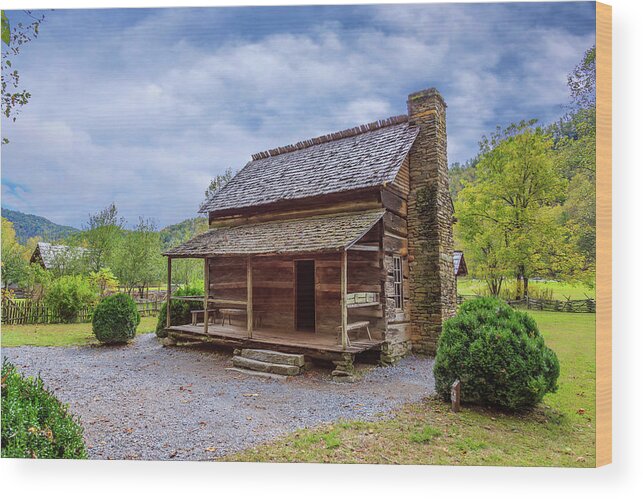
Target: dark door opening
column 305, row 295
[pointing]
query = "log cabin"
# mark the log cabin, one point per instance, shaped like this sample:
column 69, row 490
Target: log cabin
column 333, row 247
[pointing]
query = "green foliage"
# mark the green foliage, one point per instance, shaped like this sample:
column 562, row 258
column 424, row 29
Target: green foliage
column 6, row 29
column 102, row 235
column 173, row 235
column 460, row 175
column 15, row 268
column 28, row 226
column 70, row 294
column 115, row 319
column 35, row 424
column 104, row 280
column 180, row 311
column 498, row 354
column 138, row 261
column 510, row 217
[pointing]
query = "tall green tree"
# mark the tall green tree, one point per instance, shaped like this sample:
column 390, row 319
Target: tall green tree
column 575, row 152
column 102, row 236
column 138, row 262
column 508, row 215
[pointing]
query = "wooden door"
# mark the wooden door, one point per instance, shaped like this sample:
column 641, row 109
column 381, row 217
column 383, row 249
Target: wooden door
column 305, row 295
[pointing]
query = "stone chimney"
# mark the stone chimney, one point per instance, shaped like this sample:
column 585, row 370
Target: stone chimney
column 430, row 220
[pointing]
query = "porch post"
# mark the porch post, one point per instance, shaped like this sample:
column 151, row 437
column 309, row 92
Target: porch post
column 343, row 291
column 168, row 321
column 249, row 296
column 206, row 293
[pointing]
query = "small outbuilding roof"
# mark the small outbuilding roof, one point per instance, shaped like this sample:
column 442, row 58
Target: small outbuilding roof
column 301, row 235
column 363, row 157
column 51, row 254
column 459, row 264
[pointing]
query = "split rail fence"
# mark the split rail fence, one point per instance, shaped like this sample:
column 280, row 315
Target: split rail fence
column 576, row 306
column 36, row 312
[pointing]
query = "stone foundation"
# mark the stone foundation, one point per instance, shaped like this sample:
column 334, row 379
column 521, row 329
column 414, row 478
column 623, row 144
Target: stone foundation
column 391, row 353
column 344, row 368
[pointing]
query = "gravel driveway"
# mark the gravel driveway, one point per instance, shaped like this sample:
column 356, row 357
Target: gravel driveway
column 144, row 401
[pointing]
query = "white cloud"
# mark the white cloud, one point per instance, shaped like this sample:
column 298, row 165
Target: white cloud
column 141, row 114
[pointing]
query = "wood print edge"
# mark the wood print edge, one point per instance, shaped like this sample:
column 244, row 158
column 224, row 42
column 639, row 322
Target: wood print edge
column 603, row 234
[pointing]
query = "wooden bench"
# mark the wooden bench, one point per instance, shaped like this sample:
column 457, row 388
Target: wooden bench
column 212, row 313
column 353, row 326
column 228, row 313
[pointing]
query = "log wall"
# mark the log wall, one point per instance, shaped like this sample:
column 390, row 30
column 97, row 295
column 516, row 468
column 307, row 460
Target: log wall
column 274, row 282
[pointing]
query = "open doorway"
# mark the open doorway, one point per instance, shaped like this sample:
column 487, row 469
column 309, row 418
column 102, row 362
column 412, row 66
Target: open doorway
column 305, row 295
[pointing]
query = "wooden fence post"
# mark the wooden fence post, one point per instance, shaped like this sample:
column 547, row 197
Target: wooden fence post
column 455, row 396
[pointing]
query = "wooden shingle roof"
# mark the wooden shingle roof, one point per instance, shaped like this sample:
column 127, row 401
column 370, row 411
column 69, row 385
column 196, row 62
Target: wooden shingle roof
column 459, row 264
column 364, row 157
column 301, row 235
column 52, row 254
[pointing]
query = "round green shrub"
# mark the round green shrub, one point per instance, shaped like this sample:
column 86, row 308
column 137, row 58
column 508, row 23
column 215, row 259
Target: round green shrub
column 180, row 311
column 498, row 355
column 35, row 424
column 115, row 319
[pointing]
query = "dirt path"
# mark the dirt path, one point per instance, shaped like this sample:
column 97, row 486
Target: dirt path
column 144, row 401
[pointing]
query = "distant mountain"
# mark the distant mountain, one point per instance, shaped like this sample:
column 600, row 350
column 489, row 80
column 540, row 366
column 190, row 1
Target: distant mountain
column 175, row 234
column 27, row 226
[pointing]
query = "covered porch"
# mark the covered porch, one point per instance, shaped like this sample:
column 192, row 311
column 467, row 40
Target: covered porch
column 313, row 285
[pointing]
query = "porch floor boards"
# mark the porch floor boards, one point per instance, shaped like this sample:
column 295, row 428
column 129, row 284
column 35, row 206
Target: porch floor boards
column 276, row 338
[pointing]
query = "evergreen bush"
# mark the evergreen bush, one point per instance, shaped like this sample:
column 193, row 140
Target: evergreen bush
column 180, row 311
column 115, row 319
column 35, row 424
column 498, row 354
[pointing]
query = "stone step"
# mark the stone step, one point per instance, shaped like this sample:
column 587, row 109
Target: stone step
column 272, row 357
column 266, row 367
column 257, row 374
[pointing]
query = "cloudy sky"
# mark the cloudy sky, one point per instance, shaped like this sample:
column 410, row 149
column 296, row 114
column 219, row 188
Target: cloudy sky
column 143, row 106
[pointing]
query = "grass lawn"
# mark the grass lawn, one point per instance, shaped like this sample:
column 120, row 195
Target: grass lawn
column 559, row 432
column 59, row 335
column 561, row 290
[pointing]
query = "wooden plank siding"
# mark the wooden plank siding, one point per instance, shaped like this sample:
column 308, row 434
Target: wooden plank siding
column 273, row 277
column 395, row 243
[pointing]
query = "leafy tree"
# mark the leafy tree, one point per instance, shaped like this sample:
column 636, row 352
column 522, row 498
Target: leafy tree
column 104, row 280
column 102, row 234
column 175, row 234
column 13, row 98
column 70, row 260
column 508, row 214
column 138, row 261
column 38, row 281
column 460, row 174
column 576, row 153
column 15, row 267
column 69, row 295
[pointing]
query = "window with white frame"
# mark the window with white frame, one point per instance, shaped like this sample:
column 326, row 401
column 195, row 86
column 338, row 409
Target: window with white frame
column 397, row 282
